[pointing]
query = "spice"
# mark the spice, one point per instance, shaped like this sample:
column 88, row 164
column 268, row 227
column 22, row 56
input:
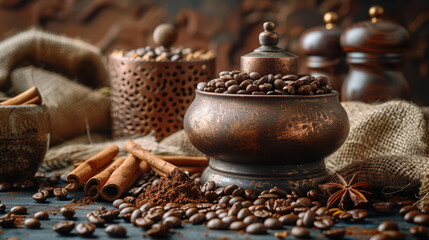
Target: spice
column 345, row 195
column 175, row 187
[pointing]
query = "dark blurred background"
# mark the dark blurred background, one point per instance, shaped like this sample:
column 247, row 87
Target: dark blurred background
column 228, row 27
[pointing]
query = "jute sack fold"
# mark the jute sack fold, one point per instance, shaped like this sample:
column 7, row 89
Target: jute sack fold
column 74, row 58
column 74, row 108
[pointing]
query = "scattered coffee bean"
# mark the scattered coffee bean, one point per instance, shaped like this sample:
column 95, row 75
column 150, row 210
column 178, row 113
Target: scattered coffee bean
column 42, row 215
column 420, row 232
column 172, row 222
column 116, row 230
column 217, row 224
column 409, row 216
column 256, row 228
column 32, row 223
column 41, row 196
column 308, row 218
column 118, row 202
column 289, row 219
column 393, row 235
column 18, row 210
column 144, row 222
column 250, row 219
column 335, row 233
column 67, row 212
column 197, row 218
column 7, row 222
column 4, row 186
column 63, row 228
column 300, row 232
column 85, row 229
column 2, row 208
column 273, row 223
column 406, row 209
column 60, row 193
column 157, row 230
column 95, row 219
column 237, row 226
column 383, row 207
column 388, row 225
column 421, row 219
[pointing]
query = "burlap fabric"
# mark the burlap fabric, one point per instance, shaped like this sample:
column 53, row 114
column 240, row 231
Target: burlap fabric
column 60, row 63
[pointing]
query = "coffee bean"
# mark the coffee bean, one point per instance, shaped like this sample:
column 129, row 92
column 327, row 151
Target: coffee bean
column 157, row 230
column 197, row 218
column 254, row 75
column 284, row 209
column 383, row 207
column 42, row 215
column 108, row 215
column 250, row 219
column 67, row 212
column 229, row 189
column 129, row 199
column 337, row 233
column 18, row 210
column 32, row 223
column 60, row 193
column 190, row 212
column 237, row 226
column 273, row 223
column 313, row 195
column 116, row 230
column 217, row 224
column 41, row 196
column 239, row 192
column 118, row 202
column 308, row 218
column 409, row 216
column 300, row 232
column 345, row 216
column 262, row 214
column 388, row 225
column 323, row 224
column 246, row 204
column 425, row 209
column 7, row 222
column 144, row 222
column 235, row 200
column 172, row 222
column 95, row 219
column 321, row 211
column 379, row 237
column 4, row 186
column 85, row 229
column 303, row 202
column 243, row 213
column 229, row 219
column 421, row 219
column 420, row 232
column 256, row 228
column 134, row 215
column 289, row 219
column 2, row 207
column 359, row 215
column 394, row 235
column 125, row 205
column 211, row 215
column 63, row 228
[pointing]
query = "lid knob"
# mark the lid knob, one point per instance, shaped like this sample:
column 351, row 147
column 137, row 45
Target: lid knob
column 375, row 12
column 330, row 18
column 268, row 39
column 165, row 35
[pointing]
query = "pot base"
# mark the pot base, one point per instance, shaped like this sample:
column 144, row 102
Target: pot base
column 263, row 177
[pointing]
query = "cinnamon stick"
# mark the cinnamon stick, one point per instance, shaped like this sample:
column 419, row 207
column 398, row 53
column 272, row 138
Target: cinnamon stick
column 152, row 160
column 35, row 100
column 119, row 179
column 93, row 185
column 22, row 98
column 90, row 167
column 143, row 167
column 186, row 160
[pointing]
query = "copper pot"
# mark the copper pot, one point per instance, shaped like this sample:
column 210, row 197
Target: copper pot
column 259, row 141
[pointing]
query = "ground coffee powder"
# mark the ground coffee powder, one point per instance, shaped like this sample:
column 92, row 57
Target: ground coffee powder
column 175, row 187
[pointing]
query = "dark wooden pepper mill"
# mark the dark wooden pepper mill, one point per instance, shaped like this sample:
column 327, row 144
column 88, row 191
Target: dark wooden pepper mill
column 324, row 55
column 375, row 54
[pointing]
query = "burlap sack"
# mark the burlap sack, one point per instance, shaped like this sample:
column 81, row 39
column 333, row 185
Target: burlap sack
column 73, row 108
column 72, row 57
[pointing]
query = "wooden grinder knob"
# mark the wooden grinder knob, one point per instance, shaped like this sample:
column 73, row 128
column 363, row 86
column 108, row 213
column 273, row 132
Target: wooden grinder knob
column 330, row 18
column 165, row 35
column 375, row 12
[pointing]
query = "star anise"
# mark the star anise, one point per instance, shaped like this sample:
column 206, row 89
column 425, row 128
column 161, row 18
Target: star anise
column 345, row 195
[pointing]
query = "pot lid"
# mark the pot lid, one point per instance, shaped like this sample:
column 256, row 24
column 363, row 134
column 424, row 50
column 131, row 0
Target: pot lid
column 269, row 40
column 323, row 40
column 376, row 35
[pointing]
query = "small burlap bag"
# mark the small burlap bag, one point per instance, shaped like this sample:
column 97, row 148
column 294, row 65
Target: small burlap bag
column 74, row 108
column 387, row 146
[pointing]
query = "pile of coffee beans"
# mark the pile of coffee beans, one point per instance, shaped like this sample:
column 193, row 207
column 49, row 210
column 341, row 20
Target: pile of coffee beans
column 236, row 82
column 162, row 54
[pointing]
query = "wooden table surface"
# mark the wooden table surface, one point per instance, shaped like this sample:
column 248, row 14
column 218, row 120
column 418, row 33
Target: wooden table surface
column 189, row 231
